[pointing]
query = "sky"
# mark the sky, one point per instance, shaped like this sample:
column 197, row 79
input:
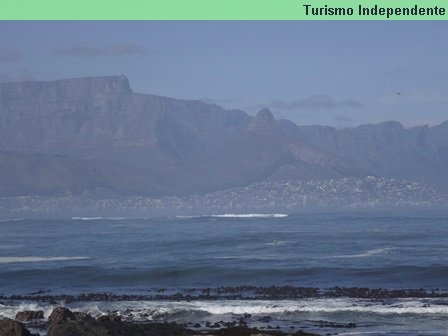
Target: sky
column 341, row 74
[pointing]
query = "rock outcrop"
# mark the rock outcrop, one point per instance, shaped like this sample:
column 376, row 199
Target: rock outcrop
column 29, row 315
column 10, row 327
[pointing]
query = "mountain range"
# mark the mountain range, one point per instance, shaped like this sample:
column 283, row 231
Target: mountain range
column 96, row 137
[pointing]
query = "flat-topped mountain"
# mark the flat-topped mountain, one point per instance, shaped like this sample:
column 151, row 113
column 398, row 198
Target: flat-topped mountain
column 80, row 116
column 95, row 135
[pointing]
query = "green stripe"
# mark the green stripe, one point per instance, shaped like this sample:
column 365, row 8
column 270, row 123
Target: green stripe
column 204, row 9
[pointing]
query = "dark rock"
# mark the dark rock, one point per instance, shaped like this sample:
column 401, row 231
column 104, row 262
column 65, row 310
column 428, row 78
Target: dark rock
column 115, row 328
column 237, row 331
column 80, row 316
column 29, row 315
column 112, row 328
column 10, row 327
column 39, row 292
column 61, row 314
column 242, row 323
column 328, row 324
column 245, row 331
column 110, row 317
column 303, row 333
column 265, row 293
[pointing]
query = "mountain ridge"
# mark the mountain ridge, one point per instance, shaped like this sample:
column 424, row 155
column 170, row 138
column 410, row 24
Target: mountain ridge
column 165, row 146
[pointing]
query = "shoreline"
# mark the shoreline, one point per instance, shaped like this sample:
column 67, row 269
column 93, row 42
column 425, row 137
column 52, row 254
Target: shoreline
column 244, row 292
column 224, row 311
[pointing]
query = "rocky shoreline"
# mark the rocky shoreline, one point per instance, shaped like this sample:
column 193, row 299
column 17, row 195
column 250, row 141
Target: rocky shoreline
column 63, row 322
column 131, row 320
column 245, row 292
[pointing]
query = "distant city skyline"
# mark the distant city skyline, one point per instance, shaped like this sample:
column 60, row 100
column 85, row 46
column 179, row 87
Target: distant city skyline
column 330, row 73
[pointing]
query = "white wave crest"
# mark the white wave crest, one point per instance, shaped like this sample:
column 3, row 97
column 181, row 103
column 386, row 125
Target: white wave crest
column 8, row 247
column 320, row 306
column 149, row 310
column 249, row 257
column 104, row 218
column 277, row 215
column 276, row 243
column 222, row 307
column 10, row 311
column 11, row 220
column 13, row 260
column 366, row 254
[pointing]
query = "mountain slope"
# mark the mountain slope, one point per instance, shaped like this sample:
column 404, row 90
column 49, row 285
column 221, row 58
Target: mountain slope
column 91, row 136
column 173, row 146
column 389, row 150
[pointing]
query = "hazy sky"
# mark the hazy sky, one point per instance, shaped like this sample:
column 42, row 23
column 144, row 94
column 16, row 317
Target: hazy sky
column 333, row 73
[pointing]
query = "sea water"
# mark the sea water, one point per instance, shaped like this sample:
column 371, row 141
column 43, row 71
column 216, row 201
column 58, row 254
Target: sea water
column 140, row 256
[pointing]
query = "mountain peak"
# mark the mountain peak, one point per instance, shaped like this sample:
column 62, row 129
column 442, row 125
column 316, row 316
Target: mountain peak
column 265, row 115
column 263, row 119
column 391, row 125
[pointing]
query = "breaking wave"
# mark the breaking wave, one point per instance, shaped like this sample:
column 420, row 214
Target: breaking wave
column 150, row 310
column 105, row 218
column 253, row 215
column 366, row 254
column 11, row 220
column 249, row 257
column 278, row 215
column 320, row 305
column 13, row 260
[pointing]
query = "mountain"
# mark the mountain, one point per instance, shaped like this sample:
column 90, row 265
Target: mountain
column 96, row 137
column 387, row 149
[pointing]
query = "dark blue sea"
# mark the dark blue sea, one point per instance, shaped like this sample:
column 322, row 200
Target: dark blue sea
column 143, row 256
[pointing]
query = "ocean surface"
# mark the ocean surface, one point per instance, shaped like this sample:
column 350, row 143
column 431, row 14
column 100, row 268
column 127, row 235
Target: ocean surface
column 143, row 256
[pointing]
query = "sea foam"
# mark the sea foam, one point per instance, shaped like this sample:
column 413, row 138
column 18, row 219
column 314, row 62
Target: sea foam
column 255, row 307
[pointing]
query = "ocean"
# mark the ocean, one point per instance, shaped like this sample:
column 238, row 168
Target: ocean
column 316, row 272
